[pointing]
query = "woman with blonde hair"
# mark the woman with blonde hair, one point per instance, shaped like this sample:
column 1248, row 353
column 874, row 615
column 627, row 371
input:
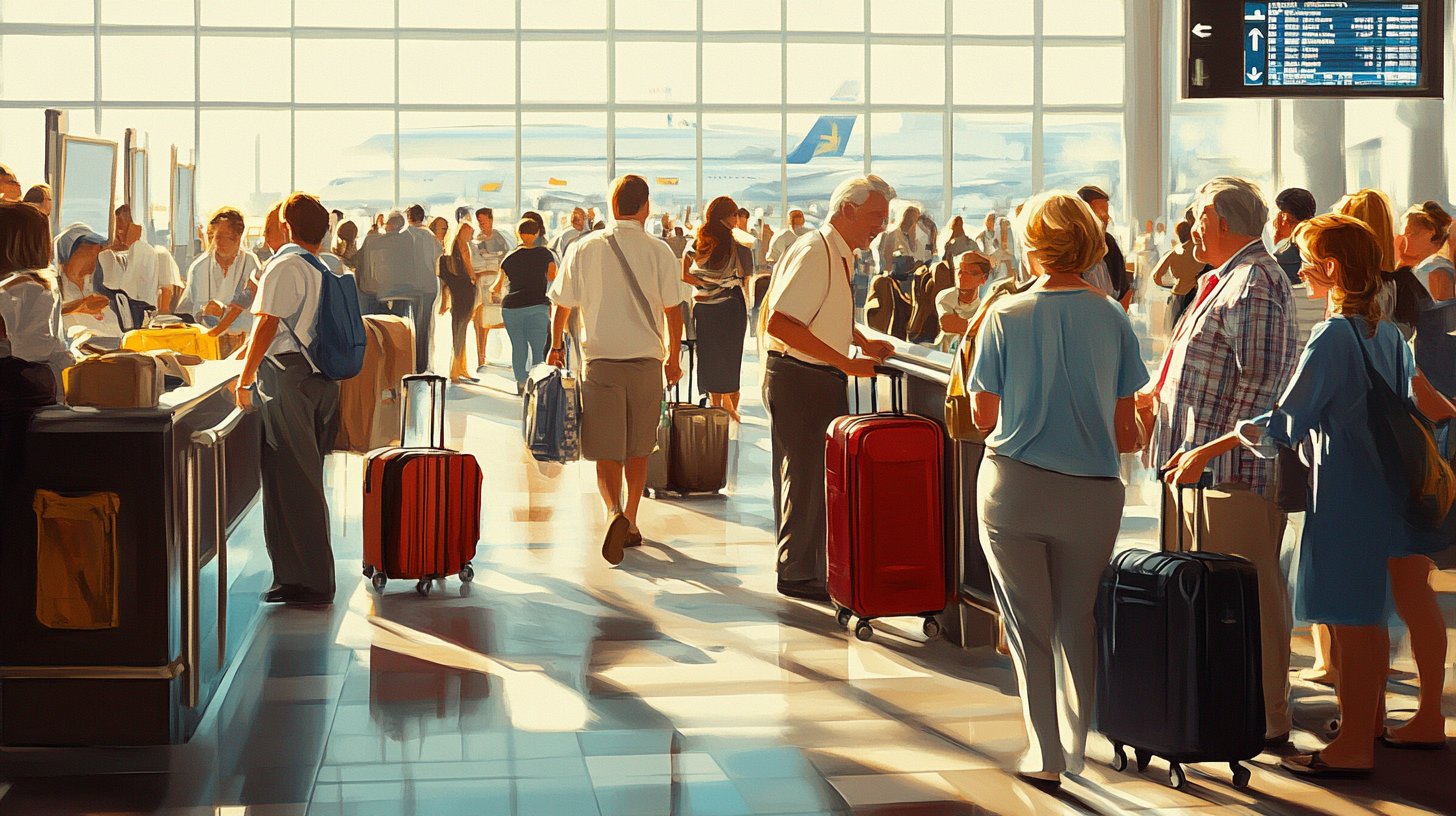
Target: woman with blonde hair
column 457, row 287
column 1424, row 231
column 1355, row 532
column 1052, row 387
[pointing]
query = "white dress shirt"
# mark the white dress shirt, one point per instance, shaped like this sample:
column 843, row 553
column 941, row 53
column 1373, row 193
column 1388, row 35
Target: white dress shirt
column 783, row 241
column 812, row 286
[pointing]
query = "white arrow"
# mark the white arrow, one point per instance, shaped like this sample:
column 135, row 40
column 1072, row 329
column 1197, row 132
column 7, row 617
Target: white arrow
column 1255, row 74
column 1202, row 31
column 1254, row 35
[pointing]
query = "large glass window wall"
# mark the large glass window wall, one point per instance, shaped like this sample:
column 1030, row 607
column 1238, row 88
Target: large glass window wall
column 967, row 106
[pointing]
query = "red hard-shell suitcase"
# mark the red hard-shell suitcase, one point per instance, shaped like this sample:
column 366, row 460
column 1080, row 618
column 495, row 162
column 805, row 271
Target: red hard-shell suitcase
column 886, row 538
column 421, row 503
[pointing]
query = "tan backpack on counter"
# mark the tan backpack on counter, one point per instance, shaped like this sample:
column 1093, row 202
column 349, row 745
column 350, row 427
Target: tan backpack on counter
column 118, row 379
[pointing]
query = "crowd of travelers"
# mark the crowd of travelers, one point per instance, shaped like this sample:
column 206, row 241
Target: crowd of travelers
column 1268, row 393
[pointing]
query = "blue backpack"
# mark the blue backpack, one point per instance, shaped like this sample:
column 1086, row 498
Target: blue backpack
column 337, row 350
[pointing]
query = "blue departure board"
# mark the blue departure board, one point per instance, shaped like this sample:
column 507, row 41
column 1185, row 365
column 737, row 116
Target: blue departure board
column 1327, row 43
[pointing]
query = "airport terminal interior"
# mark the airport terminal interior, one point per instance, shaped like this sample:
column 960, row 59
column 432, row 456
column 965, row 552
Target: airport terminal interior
column 243, row 573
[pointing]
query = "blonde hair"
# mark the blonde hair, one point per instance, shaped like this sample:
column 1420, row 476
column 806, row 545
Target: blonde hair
column 1063, row 230
column 1372, row 208
column 1355, row 248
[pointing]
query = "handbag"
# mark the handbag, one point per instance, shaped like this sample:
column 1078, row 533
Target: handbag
column 1291, row 489
column 958, row 422
column 1407, row 448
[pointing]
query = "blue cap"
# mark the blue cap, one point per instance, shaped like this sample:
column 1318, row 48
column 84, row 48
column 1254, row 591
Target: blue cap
column 72, row 237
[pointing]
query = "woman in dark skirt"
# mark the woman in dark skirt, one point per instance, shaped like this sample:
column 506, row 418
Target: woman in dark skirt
column 718, row 265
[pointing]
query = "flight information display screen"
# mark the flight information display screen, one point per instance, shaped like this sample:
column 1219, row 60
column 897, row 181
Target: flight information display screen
column 1313, row 48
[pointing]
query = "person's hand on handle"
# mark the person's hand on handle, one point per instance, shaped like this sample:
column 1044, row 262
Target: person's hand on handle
column 860, row 366
column 242, row 394
column 556, row 358
column 1186, row 467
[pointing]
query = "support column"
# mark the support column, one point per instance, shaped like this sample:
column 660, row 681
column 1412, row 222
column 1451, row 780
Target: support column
column 1319, row 142
column 1427, row 170
column 1143, row 115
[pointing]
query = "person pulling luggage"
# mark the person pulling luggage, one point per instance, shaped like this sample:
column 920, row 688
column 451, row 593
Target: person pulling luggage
column 623, row 281
column 809, row 323
column 1052, row 385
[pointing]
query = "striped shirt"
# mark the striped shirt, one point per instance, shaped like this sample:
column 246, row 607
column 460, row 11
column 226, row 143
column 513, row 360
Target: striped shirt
column 1230, row 362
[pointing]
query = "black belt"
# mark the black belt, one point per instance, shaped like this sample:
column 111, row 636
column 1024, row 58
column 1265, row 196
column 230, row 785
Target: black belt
column 824, row 368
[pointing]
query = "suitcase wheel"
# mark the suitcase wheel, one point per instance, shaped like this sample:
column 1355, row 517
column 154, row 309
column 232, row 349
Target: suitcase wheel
column 467, row 574
column 423, row 587
column 379, row 579
column 1241, row 775
column 843, row 617
column 1119, row 757
column 1143, row 758
column 1176, row 777
column 368, row 570
column 931, row 627
column 863, row 630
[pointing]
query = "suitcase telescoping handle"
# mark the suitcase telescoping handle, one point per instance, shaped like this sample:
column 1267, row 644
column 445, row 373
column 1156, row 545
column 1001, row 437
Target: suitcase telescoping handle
column 1205, row 481
column 422, row 422
column 675, row 389
column 897, row 390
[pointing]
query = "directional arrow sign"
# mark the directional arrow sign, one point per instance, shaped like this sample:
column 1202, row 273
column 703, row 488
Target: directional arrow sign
column 1255, row 74
column 1254, row 38
column 1202, row 31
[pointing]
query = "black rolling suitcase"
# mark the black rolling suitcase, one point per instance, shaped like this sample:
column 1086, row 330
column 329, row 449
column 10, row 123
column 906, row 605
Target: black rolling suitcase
column 1178, row 657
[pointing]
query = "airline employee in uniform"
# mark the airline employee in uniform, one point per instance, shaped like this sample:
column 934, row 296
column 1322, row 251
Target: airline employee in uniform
column 809, row 324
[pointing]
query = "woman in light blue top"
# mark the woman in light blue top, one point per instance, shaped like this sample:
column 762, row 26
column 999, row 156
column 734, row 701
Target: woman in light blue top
column 1052, row 385
column 1356, row 536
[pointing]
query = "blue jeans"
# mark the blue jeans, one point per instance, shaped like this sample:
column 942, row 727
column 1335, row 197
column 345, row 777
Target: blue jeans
column 529, row 329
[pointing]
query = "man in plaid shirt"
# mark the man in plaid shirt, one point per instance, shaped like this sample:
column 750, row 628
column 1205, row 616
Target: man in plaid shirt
column 1232, row 354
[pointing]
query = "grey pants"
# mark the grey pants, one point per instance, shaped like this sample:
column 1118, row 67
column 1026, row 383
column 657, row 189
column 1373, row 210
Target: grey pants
column 1048, row 537
column 802, row 400
column 422, row 313
column 300, row 411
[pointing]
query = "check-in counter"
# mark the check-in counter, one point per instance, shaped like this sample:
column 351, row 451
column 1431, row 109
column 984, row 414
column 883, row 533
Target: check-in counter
column 134, row 580
column 971, row 619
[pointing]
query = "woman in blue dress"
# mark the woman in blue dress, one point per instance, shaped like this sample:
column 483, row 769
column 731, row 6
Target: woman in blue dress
column 1356, row 519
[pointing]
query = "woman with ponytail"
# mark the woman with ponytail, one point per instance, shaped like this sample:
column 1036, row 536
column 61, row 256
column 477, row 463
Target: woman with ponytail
column 717, row 267
column 1424, row 231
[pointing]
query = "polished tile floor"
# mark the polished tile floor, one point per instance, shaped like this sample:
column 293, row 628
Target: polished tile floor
column 678, row 683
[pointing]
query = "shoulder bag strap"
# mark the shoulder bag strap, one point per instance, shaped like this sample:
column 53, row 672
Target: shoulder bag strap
column 637, row 294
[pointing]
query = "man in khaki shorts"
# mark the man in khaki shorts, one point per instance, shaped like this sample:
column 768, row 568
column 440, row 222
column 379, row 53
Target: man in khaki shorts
column 624, row 282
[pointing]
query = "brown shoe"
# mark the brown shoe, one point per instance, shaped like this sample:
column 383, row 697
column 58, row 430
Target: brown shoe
column 634, row 538
column 618, row 532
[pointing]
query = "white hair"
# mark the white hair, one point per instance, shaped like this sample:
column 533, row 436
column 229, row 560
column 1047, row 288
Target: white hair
column 857, row 190
column 1238, row 202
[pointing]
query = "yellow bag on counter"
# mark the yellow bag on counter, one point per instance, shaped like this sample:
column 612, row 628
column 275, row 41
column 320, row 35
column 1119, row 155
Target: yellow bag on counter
column 186, row 338
column 75, row 561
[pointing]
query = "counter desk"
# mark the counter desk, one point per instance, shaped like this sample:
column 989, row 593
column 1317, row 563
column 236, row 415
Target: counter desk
column 135, row 578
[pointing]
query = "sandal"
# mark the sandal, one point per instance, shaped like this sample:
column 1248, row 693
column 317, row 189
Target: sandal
column 616, row 538
column 1310, row 765
column 1389, row 741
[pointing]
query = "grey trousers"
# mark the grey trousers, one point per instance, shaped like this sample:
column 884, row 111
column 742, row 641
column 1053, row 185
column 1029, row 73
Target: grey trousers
column 802, row 400
column 300, row 411
column 422, row 313
column 1048, row 537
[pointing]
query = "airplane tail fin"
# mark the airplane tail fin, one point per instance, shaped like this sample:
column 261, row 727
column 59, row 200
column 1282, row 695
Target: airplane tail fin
column 828, row 137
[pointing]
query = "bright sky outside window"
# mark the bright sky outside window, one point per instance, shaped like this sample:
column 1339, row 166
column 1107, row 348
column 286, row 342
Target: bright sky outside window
column 150, row 12
column 1083, row 75
column 816, row 15
column 987, row 17
column 746, row 73
column 657, row 72
column 70, row 74
column 907, row 16
column 319, row 71
column 1082, row 18
column 908, row 74
column 451, row 72
column 657, row 15
column 742, row 15
column 993, row 74
column 222, row 80
column 48, row 11
column 344, row 13
column 566, row 71
column 459, row 14
column 262, row 13
column 822, row 72
column 587, row 15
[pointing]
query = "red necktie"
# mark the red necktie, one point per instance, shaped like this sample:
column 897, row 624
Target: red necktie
column 1210, row 281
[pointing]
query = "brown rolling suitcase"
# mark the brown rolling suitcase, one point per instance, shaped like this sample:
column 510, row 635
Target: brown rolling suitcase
column 695, row 457
column 120, row 379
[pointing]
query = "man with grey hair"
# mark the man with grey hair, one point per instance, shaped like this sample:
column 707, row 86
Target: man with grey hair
column 809, row 326
column 1232, row 354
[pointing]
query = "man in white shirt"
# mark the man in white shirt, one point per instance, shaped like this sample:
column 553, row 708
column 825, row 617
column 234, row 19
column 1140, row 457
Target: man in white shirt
column 898, row 243
column 146, row 275
column 569, row 236
column 487, row 249
column 624, row 282
column 810, row 332
column 786, row 239
column 299, row 408
column 988, row 240
column 425, row 286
